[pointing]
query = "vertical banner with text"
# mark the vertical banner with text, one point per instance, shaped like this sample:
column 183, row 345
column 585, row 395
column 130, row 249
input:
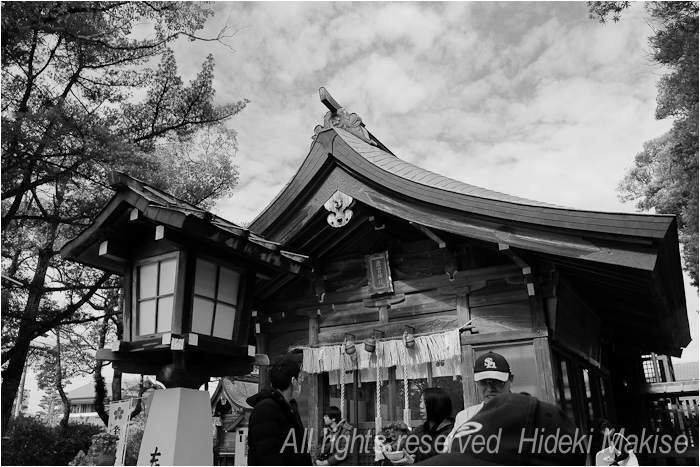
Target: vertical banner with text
column 119, row 413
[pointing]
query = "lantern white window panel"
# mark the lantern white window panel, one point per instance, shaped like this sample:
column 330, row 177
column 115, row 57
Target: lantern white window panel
column 155, row 290
column 215, row 299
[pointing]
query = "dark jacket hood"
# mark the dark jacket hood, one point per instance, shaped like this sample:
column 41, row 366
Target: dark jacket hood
column 264, row 394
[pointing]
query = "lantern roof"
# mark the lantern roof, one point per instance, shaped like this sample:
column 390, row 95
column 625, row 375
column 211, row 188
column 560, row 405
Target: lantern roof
column 137, row 207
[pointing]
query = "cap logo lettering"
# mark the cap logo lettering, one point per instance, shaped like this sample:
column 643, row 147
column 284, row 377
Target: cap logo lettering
column 489, row 363
column 468, row 428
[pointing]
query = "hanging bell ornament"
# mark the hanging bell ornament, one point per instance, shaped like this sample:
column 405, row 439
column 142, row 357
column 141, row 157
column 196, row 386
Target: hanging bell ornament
column 349, row 347
column 408, row 340
column 370, row 344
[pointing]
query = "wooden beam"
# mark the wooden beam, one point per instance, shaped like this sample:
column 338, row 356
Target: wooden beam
column 273, row 285
column 316, row 311
column 685, row 388
column 522, row 334
column 522, row 259
column 518, row 258
column 462, row 288
column 384, row 302
column 430, row 234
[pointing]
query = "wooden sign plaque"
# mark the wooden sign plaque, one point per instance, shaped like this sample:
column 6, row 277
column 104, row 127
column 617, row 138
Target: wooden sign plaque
column 379, row 273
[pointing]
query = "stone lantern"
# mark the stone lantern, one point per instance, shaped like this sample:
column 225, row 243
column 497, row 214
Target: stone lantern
column 189, row 279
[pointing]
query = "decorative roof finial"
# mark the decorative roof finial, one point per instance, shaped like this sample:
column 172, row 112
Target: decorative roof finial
column 338, row 117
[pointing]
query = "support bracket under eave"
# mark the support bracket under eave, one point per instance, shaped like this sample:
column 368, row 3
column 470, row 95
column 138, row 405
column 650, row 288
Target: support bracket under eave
column 442, row 243
column 523, row 260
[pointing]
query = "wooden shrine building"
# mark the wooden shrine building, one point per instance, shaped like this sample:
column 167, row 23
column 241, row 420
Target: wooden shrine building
column 362, row 250
column 572, row 298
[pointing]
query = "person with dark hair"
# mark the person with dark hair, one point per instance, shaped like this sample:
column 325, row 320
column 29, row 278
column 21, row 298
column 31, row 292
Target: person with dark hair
column 436, row 410
column 336, row 440
column 275, row 429
column 428, row 439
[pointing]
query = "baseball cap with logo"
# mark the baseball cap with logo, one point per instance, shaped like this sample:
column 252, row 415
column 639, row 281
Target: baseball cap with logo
column 516, row 429
column 491, row 366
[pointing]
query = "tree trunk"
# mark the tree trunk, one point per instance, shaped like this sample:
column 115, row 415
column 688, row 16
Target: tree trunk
column 117, row 386
column 11, row 378
column 139, row 404
column 117, row 378
column 100, row 387
column 12, row 375
column 59, row 382
column 100, row 394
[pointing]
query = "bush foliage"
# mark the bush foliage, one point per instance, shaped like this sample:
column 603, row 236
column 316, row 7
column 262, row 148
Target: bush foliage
column 32, row 442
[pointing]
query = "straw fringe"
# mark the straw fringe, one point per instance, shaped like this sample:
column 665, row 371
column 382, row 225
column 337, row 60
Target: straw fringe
column 435, row 347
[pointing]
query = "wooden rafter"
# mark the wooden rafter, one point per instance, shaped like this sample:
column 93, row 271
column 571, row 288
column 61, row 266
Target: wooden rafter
column 442, row 243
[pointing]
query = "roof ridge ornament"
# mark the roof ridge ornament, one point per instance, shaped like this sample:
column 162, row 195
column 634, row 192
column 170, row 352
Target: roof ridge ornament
column 338, row 117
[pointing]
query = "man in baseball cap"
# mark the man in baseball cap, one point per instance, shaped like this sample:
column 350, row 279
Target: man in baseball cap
column 493, row 377
column 516, row 429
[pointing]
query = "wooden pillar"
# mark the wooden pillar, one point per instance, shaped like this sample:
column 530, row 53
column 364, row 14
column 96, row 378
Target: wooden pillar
column 315, row 397
column 543, row 353
column 262, row 343
column 469, row 392
column 471, row 396
column 391, row 412
column 536, row 306
column 668, row 370
column 545, row 375
column 356, row 410
column 655, row 366
column 463, row 311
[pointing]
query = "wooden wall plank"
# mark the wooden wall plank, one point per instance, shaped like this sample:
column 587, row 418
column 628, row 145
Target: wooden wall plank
column 429, row 323
column 407, row 287
column 498, row 295
column 504, row 317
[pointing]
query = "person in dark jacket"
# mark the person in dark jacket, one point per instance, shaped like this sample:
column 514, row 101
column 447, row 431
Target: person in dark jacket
column 335, row 444
column 275, row 430
column 428, row 439
column 435, row 409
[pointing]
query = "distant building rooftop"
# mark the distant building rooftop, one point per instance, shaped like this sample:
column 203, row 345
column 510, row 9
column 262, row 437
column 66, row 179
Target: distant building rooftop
column 686, row 371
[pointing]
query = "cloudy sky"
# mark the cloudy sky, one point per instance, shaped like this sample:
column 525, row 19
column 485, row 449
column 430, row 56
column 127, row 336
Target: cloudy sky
column 532, row 99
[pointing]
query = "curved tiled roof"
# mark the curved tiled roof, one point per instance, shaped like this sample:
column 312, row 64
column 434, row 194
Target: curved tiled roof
column 238, row 391
column 87, row 391
column 408, row 171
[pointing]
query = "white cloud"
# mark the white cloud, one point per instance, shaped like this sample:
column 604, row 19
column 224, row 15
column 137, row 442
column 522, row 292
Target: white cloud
column 383, row 82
